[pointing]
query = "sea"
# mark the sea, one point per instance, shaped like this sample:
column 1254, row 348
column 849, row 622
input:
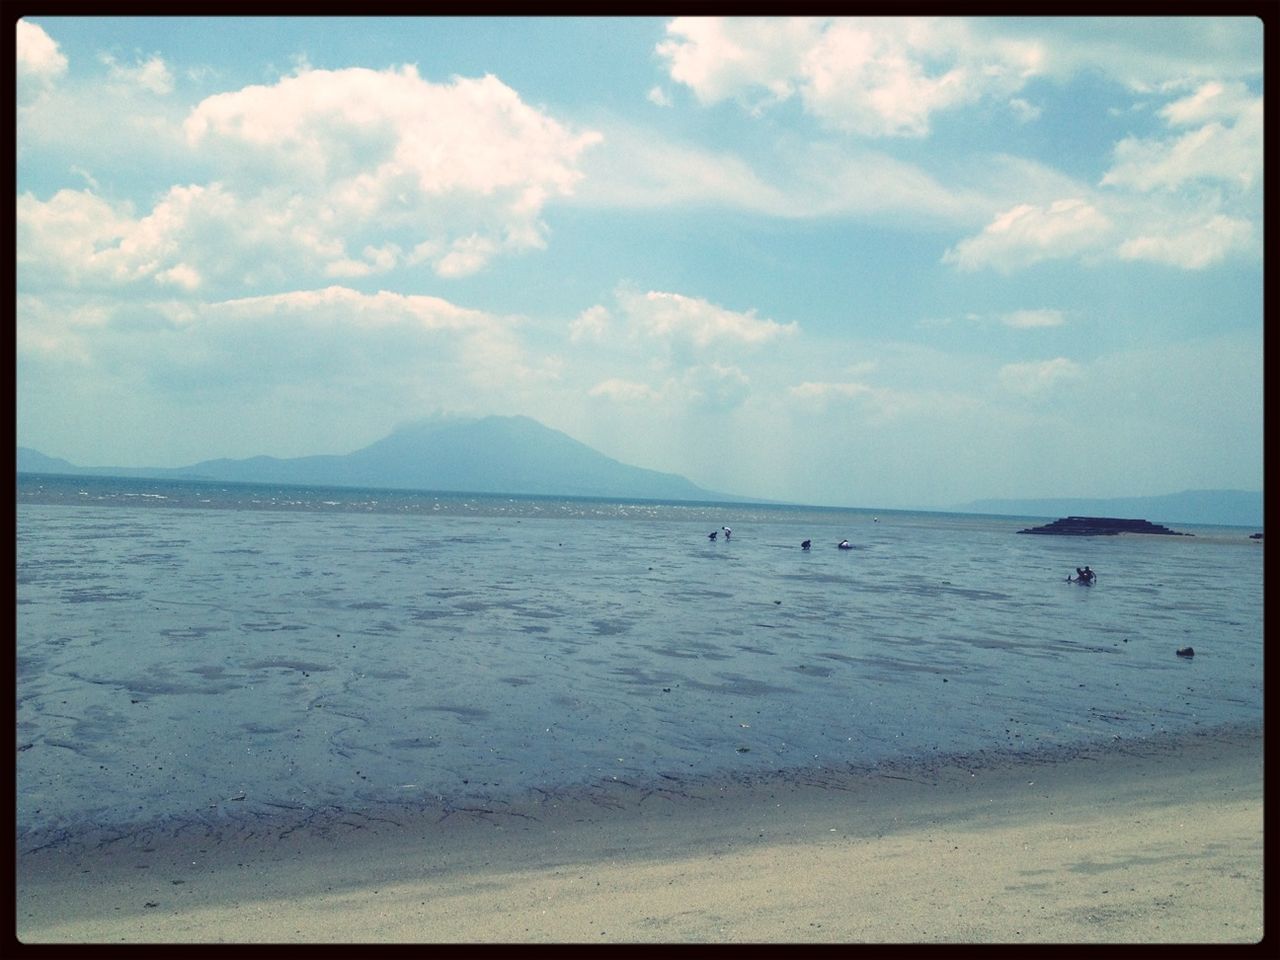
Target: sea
column 200, row 653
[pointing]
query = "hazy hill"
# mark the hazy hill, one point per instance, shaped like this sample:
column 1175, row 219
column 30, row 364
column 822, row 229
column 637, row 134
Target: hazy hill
column 1231, row 508
column 487, row 455
column 33, row 461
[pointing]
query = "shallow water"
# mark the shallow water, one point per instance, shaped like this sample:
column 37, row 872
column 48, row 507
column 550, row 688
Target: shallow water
column 197, row 650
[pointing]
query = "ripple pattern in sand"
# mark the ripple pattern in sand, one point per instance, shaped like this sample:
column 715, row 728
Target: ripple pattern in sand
column 169, row 659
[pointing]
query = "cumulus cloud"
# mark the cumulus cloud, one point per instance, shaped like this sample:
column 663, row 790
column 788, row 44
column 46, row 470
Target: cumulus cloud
column 1024, row 110
column 624, row 391
column 658, row 97
column 1027, row 319
column 1036, row 379
column 890, row 78
column 38, row 57
column 670, row 350
column 303, row 340
column 1199, row 186
column 821, row 393
column 467, row 166
column 373, row 260
column 591, row 325
column 1192, row 246
column 67, row 237
column 880, row 76
column 872, row 404
column 1187, row 201
column 54, row 330
column 709, row 388
column 1224, row 143
column 470, row 136
column 79, row 240
column 675, row 318
column 718, row 58
column 716, row 386
column 1029, row 233
column 347, row 307
column 328, row 175
column 182, row 275
column 152, row 75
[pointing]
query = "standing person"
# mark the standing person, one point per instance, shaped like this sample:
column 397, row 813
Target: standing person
column 727, row 532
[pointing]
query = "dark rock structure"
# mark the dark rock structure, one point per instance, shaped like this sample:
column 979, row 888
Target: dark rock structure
column 1101, row 527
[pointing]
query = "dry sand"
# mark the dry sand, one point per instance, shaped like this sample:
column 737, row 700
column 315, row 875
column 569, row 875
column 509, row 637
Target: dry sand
column 1155, row 841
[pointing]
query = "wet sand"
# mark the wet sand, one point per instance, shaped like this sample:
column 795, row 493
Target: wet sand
column 1145, row 841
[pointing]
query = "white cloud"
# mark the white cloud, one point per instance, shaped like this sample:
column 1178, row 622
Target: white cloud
column 1212, row 101
column 1024, row 111
column 723, row 57
column 624, row 391
column 1188, row 201
column 467, row 255
column 892, row 77
column 879, row 76
column 267, row 369
column 54, row 330
column 348, row 307
column 467, row 163
column 1035, row 379
column 1027, row 319
column 182, row 276
column 1143, row 53
column 636, row 169
column 400, row 132
column 1029, row 233
column 706, row 388
column 152, row 75
column 329, row 174
column 38, row 56
column 591, row 325
column 658, row 97
column 715, row 386
column 65, row 238
column 1192, row 246
column 375, row 260
column 877, row 405
column 823, row 392
column 675, row 318
column 296, row 346
column 1224, row 146
column 78, row 240
column 832, row 181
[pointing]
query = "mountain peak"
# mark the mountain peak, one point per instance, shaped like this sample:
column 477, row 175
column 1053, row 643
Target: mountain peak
column 491, row 454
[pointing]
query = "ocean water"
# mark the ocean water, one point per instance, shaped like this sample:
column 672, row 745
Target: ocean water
column 192, row 652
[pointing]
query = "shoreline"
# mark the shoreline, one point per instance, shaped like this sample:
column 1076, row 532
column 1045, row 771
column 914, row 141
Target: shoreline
column 1155, row 840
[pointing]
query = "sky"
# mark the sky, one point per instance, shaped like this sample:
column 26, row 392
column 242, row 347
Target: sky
column 879, row 262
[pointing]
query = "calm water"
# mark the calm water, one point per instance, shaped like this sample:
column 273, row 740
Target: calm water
column 194, row 651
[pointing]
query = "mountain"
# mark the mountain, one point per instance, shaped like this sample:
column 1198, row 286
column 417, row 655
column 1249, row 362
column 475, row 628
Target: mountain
column 514, row 455
column 1228, row 508
column 33, row 461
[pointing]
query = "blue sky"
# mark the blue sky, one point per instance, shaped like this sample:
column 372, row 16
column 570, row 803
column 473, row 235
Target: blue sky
column 866, row 262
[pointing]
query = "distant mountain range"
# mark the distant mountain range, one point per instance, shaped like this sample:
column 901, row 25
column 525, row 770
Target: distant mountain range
column 513, row 455
column 518, row 455
column 1229, row 508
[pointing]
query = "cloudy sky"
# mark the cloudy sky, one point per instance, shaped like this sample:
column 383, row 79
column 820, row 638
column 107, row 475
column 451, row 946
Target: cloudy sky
column 883, row 263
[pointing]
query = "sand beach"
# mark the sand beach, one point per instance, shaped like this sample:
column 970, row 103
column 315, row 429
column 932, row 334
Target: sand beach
column 1154, row 841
